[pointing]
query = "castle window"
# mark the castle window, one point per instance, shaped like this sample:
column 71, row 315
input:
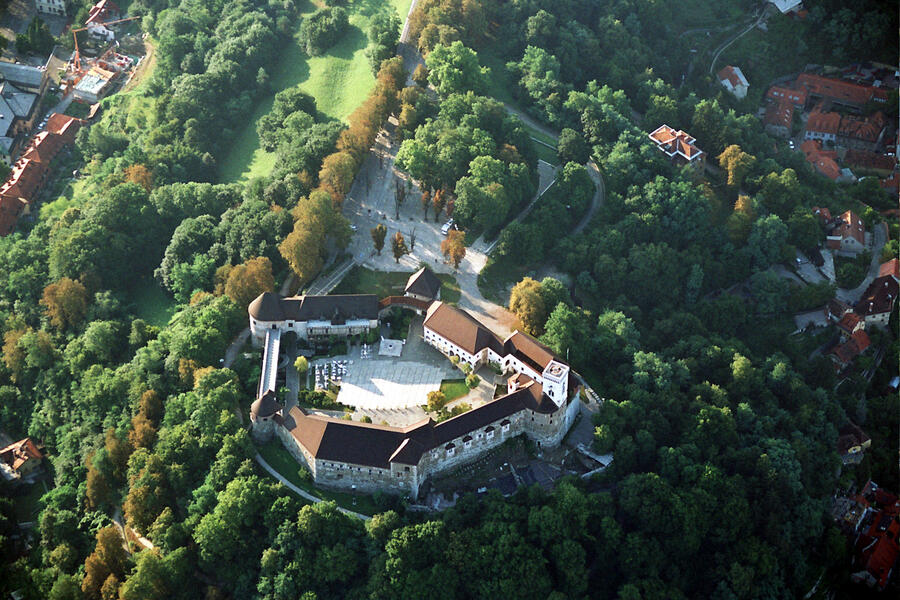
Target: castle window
column 451, row 449
column 406, row 468
column 504, row 425
column 467, row 441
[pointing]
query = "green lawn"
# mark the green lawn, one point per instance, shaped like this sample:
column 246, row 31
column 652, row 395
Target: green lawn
column 152, row 303
column 454, row 388
column 360, row 280
column 282, row 461
column 339, row 81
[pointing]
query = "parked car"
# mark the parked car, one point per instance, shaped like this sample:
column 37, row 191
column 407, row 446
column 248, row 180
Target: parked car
column 447, row 227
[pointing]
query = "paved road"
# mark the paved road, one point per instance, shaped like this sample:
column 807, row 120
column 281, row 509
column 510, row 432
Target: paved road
column 724, row 45
column 302, row 493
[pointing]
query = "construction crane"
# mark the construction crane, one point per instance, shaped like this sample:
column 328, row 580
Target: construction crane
column 76, row 60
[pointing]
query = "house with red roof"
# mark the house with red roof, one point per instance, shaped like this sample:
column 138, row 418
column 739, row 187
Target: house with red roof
column 841, row 92
column 30, row 172
column 823, row 161
column 877, row 547
column 882, row 164
column 852, row 443
column 19, row 459
column 878, row 300
column 822, row 126
column 103, row 11
column 848, row 233
column 796, row 96
column 844, row 354
column 890, row 269
column 862, row 133
column 779, row 118
column 733, row 80
column 679, row 146
column 850, row 323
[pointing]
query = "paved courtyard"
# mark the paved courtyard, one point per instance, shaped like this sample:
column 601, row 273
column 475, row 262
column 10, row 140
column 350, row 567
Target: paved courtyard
column 388, row 384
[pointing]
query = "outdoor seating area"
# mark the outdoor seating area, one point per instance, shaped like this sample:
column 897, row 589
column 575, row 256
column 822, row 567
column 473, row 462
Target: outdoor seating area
column 331, row 371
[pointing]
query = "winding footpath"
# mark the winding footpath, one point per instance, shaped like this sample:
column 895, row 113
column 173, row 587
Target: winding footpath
column 302, row 493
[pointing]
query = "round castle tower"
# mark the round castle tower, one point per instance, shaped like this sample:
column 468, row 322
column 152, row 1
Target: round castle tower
column 265, row 415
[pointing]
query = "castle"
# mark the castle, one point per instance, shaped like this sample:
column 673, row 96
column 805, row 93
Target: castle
column 540, row 402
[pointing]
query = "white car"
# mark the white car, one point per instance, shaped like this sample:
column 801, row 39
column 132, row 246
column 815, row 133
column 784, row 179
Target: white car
column 447, row 227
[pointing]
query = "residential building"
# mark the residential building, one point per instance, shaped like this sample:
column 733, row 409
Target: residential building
column 779, row 118
column 679, row 146
column 25, row 77
column 787, row 6
column 19, row 459
column 876, row 548
column 878, row 300
column 861, row 133
column 850, row 323
column 18, row 111
column 852, row 443
column 733, row 80
column 844, row 354
column 540, row 403
column 30, row 171
column 836, row 309
column 865, row 160
column 50, row 7
column 103, row 11
column 823, row 161
column 313, row 318
column 822, row 126
column 848, row 233
column 841, row 92
column 796, row 96
column 890, row 269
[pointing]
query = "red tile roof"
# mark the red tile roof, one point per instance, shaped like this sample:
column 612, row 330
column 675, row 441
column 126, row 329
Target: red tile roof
column 796, row 96
column 64, row 125
column 852, row 348
column 879, row 297
column 842, row 91
column 890, row 268
column 45, row 147
column 779, row 114
column 891, row 183
column 674, row 143
column 849, row 322
column 851, row 226
column 867, row 129
column 823, row 122
column 732, row 75
column 870, row 160
column 18, row 453
column 822, row 161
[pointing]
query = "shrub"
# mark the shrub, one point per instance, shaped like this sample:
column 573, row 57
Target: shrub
column 472, row 380
column 366, row 419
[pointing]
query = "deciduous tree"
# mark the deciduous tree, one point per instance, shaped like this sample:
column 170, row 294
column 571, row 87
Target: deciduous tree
column 454, row 247
column 379, row 233
column 248, row 280
column 398, row 246
column 66, row 302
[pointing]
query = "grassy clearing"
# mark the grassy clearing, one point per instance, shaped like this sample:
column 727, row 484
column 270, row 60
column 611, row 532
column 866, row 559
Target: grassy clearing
column 339, row 81
column 360, row 280
column 282, row 461
column 454, row 388
column 151, row 303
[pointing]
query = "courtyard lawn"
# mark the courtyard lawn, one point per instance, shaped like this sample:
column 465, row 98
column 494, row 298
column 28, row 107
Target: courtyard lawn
column 339, row 81
column 151, row 303
column 449, row 288
column 454, row 388
column 360, row 280
column 282, row 461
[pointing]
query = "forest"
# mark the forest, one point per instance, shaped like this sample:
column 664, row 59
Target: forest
column 723, row 431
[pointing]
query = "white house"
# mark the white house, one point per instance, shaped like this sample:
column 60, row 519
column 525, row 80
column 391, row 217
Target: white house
column 733, row 80
column 50, row 7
